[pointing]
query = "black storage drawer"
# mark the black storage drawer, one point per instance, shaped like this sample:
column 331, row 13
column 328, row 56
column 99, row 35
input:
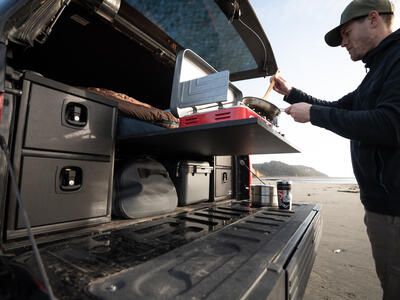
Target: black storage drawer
column 59, row 121
column 50, row 197
column 223, row 161
column 223, row 183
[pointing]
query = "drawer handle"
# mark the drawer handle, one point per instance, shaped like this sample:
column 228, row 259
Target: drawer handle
column 70, row 179
column 76, row 114
column 224, row 177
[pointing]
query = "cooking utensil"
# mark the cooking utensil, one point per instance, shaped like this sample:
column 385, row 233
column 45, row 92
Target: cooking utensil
column 264, row 195
column 270, row 87
column 262, row 107
column 243, row 164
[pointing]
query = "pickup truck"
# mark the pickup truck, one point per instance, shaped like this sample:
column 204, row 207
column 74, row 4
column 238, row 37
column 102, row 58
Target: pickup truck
column 91, row 202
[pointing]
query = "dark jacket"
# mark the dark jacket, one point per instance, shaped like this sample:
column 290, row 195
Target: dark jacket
column 370, row 118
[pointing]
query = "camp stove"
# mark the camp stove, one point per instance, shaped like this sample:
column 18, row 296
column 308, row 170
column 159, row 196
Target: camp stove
column 201, row 95
column 222, row 115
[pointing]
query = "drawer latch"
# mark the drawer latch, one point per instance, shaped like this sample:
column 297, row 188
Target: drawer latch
column 70, row 179
column 76, row 114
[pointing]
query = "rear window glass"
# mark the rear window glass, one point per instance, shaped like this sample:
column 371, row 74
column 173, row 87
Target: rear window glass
column 201, row 26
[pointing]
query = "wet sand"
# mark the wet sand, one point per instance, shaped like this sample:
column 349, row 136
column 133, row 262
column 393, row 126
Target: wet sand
column 344, row 267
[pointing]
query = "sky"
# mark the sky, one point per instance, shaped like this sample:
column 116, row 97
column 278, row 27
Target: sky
column 296, row 30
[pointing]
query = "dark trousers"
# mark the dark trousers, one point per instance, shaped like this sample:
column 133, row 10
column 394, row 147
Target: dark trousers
column 384, row 235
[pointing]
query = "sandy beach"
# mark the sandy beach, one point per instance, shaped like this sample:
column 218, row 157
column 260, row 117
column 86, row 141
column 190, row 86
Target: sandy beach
column 344, row 268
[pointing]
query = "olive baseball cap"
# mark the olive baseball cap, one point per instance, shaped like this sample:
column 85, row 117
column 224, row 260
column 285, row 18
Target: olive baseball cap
column 357, row 9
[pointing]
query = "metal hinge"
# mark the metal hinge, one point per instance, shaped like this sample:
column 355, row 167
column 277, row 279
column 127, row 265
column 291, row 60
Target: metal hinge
column 109, row 9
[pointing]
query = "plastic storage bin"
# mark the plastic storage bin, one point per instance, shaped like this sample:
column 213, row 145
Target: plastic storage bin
column 192, row 181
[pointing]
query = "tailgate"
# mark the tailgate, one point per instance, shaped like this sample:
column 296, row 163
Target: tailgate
column 266, row 255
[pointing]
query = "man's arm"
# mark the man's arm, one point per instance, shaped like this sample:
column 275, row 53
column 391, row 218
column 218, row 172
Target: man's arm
column 297, row 96
column 380, row 125
column 293, row 95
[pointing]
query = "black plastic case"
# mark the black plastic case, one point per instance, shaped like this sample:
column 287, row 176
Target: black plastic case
column 223, row 179
column 192, row 181
column 223, row 183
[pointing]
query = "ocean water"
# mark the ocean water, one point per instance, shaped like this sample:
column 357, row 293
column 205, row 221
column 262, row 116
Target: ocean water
column 327, row 180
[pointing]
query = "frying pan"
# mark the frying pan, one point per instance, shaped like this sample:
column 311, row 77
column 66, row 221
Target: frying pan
column 262, row 106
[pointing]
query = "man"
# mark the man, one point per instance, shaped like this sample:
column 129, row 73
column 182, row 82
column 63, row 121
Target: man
column 370, row 118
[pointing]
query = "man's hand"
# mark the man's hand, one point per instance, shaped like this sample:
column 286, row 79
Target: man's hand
column 281, row 85
column 300, row 112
